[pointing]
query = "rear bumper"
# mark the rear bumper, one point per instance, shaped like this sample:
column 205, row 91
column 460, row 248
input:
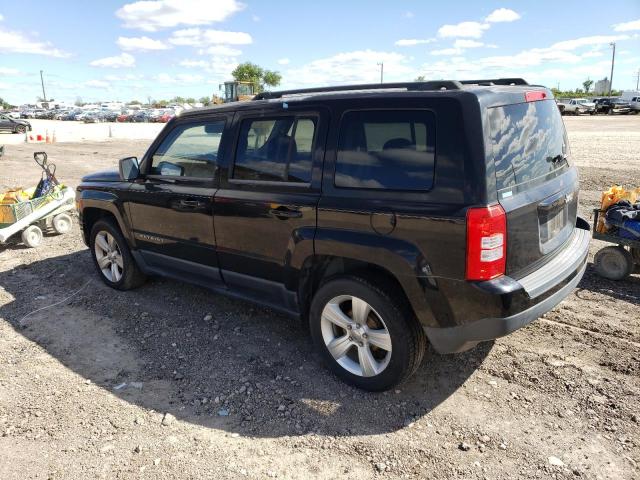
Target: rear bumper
column 532, row 295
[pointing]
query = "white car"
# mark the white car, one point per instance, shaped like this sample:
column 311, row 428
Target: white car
column 577, row 106
column 634, row 104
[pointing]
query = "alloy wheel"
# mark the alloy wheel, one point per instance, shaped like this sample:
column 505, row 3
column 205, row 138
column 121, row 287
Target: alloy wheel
column 356, row 336
column 109, row 256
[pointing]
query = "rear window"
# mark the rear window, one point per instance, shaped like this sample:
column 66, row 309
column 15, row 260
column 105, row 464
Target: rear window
column 528, row 141
column 386, row 149
column 275, row 149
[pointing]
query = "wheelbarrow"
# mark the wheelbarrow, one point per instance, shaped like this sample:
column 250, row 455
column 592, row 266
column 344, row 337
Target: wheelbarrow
column 615, row 262
column 47, row 210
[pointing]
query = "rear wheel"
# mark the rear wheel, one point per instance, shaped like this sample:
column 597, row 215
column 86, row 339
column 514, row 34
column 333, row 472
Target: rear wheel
column 365, row 334
column 614, row 263
column 112, row 257
column 21, row 129
column 61, row 223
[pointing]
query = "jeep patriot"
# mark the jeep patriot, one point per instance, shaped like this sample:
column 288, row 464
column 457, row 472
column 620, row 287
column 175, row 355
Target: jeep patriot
column 386, row 216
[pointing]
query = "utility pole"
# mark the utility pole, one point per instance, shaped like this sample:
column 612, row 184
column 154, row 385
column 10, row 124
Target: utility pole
column 637, row 75
column 613, row 59
column 381, row 65
column 44, row 95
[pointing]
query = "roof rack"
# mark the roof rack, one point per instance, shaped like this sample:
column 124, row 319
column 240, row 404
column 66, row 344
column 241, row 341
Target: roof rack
column 413, row 86
column 496, row 81
column 409, row 86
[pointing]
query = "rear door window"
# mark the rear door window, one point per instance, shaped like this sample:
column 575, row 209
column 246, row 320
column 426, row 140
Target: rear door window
column 528, row 141
column 278, row 149
column 386, row 149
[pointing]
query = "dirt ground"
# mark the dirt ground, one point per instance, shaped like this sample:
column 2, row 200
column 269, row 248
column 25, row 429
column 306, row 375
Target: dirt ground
column 172, row 381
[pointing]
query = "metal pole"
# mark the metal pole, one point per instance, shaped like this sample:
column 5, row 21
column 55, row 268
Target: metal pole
column 381, row 72
column 613, row 59
column 637, row 79
column 44, row 95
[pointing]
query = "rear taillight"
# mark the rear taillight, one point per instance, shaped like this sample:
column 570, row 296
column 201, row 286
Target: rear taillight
column 486, row 242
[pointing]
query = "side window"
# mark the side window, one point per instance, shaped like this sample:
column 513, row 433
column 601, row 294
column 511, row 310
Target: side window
column 278, row 149
column 386, row 149
column 190, row 150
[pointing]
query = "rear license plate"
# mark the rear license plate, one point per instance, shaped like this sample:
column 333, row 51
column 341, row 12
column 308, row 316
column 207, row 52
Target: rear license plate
column 553, row 225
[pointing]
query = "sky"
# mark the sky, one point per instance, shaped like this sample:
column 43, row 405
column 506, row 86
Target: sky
column 111, row 50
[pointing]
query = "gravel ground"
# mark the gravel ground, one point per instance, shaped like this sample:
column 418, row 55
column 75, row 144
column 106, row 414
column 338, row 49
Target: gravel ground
column 172, row 381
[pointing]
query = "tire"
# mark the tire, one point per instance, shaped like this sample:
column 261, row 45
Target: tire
column 613, row 263
column 400, row 340
column 62, row 223
column 112, row 257
column 20, row 129
column 635, row 254
column 32, row 236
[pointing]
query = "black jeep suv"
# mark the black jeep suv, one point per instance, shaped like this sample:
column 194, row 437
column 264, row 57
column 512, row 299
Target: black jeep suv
column 384, row 215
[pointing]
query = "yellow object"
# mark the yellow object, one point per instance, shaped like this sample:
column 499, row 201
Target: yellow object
column 613, row 196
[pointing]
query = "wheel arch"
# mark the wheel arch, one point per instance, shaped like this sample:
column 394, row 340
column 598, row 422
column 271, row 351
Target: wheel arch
column 318, row 269
column 94, row 205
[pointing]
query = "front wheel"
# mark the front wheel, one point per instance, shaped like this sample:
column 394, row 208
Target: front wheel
column 32, row 236
column 21, row 129
column 365, row 333
column 112, row 257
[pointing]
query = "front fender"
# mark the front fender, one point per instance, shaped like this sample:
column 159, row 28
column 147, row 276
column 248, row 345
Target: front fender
column 107, row 201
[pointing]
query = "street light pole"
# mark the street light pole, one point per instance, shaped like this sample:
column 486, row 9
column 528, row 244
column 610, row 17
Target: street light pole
column 613, row 59
column 44, row 95
column 381, row 64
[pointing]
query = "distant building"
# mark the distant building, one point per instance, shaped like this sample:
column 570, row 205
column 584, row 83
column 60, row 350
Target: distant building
column 602, row 86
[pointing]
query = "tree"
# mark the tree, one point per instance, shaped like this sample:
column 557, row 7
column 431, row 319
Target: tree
column 4, row 105
column 78, row 102
column 420, row 78
column 250, row 72
column 204, row 100
column 190, row 100
column 271, row 78
column 587, row 84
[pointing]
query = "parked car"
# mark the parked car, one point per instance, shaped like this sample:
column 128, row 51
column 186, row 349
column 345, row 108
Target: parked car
column 167, row 115
column 612, row 105
column 123, row 117
column 109, row 116
column 140, row 116
column 634, row 104
column 577, row 106
column 31, row 113
column 13, row 125
column 376, row 213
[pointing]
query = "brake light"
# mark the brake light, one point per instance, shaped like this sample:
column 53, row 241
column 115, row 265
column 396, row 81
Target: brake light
column 486, row 242
column 534, row 96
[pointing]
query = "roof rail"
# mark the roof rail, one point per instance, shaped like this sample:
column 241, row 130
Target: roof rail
column 410, row 86
column 496, row 81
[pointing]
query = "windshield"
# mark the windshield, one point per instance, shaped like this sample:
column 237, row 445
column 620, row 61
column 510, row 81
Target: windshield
column 528, row 142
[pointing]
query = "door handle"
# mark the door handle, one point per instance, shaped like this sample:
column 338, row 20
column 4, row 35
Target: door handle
column 189, row 204
column 284, row 213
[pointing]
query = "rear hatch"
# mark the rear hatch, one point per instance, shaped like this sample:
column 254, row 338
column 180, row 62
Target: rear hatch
column 536, row 186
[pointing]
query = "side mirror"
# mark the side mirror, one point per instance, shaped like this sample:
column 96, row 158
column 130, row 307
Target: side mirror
column 129, row 169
